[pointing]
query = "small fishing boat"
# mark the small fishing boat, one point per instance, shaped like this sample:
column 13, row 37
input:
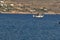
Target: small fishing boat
column 38, row 15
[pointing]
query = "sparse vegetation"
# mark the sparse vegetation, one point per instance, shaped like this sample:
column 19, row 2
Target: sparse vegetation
column 9, row 6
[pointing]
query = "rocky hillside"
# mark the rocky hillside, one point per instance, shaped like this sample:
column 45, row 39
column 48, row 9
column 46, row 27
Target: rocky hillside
column 28, row 5
column 54, row 5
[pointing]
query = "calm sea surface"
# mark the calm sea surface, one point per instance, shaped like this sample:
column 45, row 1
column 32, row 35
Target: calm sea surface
column 25, row 27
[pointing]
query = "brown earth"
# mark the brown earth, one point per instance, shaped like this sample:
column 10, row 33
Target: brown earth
column 53, row 5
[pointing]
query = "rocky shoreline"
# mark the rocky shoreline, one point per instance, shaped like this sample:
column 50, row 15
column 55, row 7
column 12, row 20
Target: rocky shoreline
column 25, row 13
column 8, row 7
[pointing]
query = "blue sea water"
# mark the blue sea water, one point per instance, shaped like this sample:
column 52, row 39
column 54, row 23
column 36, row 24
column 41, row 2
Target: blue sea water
column 25, row 27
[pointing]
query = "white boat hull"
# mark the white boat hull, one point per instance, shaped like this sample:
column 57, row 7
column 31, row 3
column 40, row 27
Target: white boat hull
column 38, row 16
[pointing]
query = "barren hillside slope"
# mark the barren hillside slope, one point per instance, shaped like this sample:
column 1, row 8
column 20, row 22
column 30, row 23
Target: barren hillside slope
column 52, row 4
